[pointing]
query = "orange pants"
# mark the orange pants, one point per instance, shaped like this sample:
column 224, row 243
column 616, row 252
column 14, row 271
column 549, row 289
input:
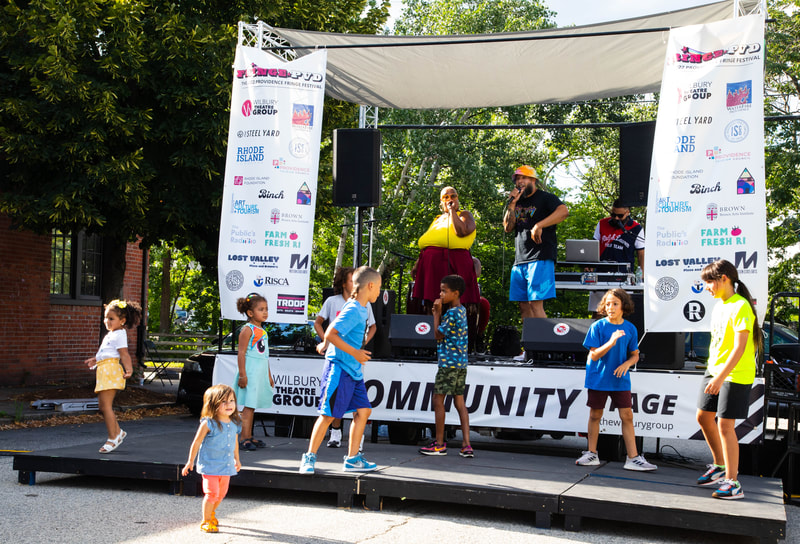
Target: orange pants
column 215, row 487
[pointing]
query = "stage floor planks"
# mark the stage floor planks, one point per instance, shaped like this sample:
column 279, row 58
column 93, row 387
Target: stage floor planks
column 543, row 485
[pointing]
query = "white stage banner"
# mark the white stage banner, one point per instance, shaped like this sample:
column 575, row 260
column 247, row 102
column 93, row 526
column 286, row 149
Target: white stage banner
column 707, row 179
column 267, row 224
column 512, row 397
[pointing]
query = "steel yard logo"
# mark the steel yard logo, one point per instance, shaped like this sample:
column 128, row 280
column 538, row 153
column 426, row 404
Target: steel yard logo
column 739, row 96
column 250, row 153
column 715, row 154
column 685, row 144
column 688, row 57
column 736, row 131
column 279, row 73
column 242, row 236
column 282, row 238
column 257, row 133
column 667, row 205
column 304, row 195
column 262, row 106
column 241, row 207
column 291, row 304
column 745, row 185
column 694, row 120
column 700, row 90
column 671, row 238
column 722, row 236
column 298, row 264
column 302, row 115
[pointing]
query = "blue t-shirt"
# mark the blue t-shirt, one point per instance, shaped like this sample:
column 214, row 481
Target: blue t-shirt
column 600, row 373
column 452, row 350
column 215, row 457
column 351, row 324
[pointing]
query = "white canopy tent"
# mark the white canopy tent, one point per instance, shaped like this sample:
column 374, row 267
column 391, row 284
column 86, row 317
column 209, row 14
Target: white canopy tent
column 488, row 70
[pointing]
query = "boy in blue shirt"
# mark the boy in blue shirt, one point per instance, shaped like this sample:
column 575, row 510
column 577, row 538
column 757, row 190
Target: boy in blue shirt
column 451, row 335
column 343, row 388
column 613, row 346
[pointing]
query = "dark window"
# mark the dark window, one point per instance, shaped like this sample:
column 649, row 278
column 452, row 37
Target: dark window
column 76, row 266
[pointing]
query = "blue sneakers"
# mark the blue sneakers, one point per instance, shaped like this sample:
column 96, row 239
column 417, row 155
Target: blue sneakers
column 307, row 463
column 710, row 477
column 730, row 489
column 357, row 463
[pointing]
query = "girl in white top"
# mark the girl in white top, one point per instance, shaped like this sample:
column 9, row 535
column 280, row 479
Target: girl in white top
column 113, row 364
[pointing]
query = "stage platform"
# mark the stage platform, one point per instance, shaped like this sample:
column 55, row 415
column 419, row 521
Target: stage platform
column 547, row 486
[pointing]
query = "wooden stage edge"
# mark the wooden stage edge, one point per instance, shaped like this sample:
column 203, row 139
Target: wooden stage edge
column 540, row 484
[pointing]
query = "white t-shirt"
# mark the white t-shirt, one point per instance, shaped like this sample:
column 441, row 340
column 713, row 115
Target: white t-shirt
column 112, row 343
column 334, row 304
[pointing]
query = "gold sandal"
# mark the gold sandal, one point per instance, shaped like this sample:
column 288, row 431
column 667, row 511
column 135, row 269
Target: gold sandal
column 209, row 527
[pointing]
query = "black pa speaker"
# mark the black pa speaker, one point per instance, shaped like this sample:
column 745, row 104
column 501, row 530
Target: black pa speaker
column 544, row 334
column 635, row 153
column 382, row 309
column 664, row 350
column 412, row 331
column 357, row 167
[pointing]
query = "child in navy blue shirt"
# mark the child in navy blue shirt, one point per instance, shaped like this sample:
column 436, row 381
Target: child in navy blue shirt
column 343, row 388
column 450, row 330
column 613, row 349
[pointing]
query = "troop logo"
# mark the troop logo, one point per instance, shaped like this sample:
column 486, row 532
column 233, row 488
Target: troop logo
column 243, row 236
column 698, row 287
column 299, row 147
column 739, row 96
column 250, row 153
column 715, row 154
column 700, row 90
column 745, row 185
column 666, row 288
column 282, row 238
column 302, row 116
column 685, row 144
column 694, row 311
column 241, row 207
column 263, row 193
column 560, row 329
column 258, row 133
column 291, row 304
column 422, row 328
column 667, row 205
column 234, row 280
column 304, row 195
column 722, row 236
column 736, row 131
column 671, row 237
column 261, row 106
column 254, row 71
column 262, row 281
column 298, row 263
column 746, row 263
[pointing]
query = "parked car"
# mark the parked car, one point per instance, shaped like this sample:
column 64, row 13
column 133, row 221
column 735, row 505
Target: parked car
column 696, row 347
column 198, row 369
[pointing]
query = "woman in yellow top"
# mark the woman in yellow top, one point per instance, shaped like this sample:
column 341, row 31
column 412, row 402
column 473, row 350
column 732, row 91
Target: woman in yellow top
column 444, row 250
column 725, row 395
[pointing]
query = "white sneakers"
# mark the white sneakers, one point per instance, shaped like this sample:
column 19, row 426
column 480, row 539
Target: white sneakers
column 589, row 458
column 639, row 463
column 335, row 440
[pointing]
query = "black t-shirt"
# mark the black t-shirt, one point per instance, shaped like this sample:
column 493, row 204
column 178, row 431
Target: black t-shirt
column 528, row 212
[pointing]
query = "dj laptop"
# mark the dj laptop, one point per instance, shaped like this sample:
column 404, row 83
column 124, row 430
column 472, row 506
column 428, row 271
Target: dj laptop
column 583, row 251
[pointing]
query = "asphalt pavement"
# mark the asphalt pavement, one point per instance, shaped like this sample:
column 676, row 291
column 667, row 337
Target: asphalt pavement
column 68, row 509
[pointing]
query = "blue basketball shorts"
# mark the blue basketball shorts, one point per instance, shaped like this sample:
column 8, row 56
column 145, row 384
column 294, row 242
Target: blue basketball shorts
column 341, row 394
column 535, row 280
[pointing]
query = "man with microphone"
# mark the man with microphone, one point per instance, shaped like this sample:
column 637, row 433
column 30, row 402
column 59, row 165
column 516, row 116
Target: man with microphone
column 532, row 214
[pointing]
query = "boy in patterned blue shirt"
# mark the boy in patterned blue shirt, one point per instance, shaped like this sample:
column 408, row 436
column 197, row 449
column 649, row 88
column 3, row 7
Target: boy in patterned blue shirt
column 450, row 330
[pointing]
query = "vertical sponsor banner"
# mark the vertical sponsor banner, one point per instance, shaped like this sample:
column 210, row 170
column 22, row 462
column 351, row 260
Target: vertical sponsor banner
column 707, row 177
column 270, row 192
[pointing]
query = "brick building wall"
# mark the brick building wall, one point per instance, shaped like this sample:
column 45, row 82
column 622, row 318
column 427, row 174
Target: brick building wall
column 41, row 341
